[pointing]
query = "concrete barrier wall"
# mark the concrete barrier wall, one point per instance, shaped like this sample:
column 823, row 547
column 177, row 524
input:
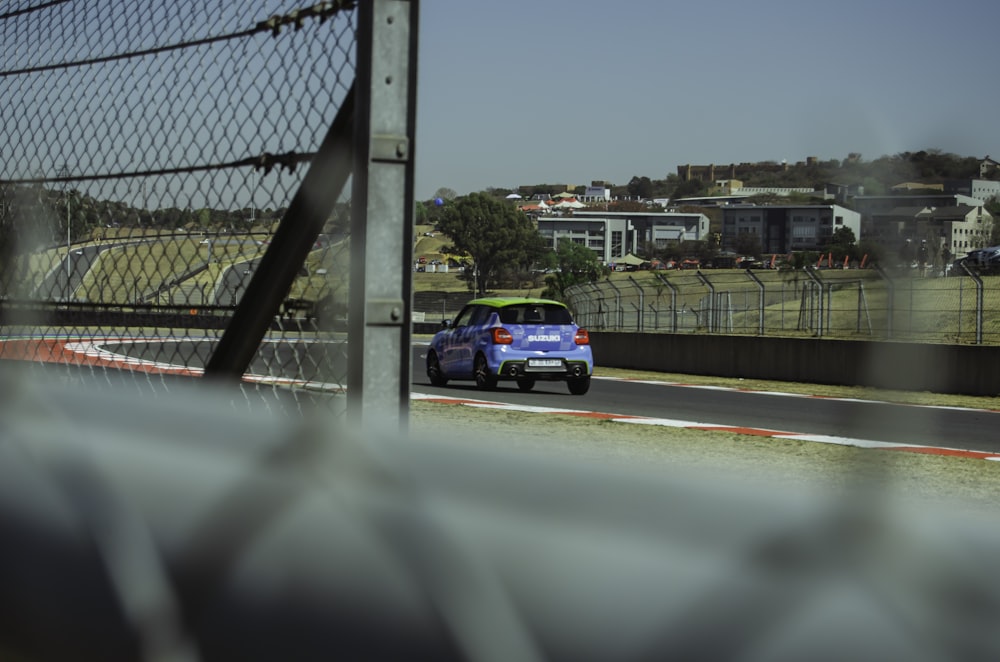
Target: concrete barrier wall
column 961, row 369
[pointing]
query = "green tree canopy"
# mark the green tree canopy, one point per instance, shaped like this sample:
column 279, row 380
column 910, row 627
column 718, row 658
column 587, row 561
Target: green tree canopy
column 843, row 243
column 445, row 193
column 748, row 244
column 430, row 212
column 689, row 189
column 575, row 264
column 494, row 233
column 641, row 187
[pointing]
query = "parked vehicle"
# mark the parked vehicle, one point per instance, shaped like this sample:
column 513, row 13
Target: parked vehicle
column 984, row 257
column 512, row 339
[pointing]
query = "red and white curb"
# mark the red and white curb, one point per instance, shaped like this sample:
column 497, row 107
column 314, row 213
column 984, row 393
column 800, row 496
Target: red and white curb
column 90, row 352
column 709, row 427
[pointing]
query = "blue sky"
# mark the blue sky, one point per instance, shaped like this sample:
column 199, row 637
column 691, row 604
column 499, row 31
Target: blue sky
column 532, row 91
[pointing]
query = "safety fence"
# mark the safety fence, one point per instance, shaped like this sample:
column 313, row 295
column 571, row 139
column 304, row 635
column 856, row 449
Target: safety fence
column 156, row 211
column 865, row 304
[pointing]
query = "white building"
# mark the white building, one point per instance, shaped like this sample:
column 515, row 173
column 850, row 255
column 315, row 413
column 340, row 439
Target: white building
column 979, row 189
column 959, row 228
column 785, row 228
column 613, row 235
column 595, row 194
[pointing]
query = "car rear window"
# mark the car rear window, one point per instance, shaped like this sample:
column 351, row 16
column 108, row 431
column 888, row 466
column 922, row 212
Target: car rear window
column 535, row 313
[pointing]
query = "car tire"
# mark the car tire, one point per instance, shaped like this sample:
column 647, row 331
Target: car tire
column 485, row 380
column 434, row 370
column 578, row 385
column 526, row 383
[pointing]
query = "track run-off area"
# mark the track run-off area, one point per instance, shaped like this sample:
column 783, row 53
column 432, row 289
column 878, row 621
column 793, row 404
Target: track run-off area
column 145, row 355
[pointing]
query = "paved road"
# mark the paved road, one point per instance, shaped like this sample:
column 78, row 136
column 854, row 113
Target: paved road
column 61, row 282
column 308, row 361
column 967, row 429
column 901, row 424
column 233, row 282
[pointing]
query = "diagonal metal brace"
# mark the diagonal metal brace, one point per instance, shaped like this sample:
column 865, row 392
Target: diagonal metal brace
column 295, row 237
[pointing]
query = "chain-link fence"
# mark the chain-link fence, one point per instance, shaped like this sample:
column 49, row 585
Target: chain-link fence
column 149, row 154
column 860, row 304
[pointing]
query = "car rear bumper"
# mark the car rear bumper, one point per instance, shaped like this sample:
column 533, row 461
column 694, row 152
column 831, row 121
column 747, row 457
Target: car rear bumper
column 568, row 368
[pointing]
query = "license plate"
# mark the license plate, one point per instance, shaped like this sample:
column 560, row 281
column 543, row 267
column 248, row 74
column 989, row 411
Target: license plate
column 545, row 363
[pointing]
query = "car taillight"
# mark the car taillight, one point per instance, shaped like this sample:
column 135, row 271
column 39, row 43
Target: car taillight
column 581, row 337
column 501, row 336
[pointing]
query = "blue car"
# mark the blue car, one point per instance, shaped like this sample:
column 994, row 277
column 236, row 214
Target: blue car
column 512, row 338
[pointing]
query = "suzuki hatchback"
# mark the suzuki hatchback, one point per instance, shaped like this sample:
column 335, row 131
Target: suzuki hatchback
column 515, row 339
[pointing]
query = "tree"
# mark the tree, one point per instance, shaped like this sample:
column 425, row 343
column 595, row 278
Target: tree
column 575, row 264
column 748, row 244
column 495, row 235
column 875, row 251
column 445, row 193
column 689, row 189
column 640, row 187
column 430, row 212
column 843, row 244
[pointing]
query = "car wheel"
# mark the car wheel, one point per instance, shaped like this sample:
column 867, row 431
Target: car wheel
column 578, row 385
column 434, row 370
column 484, row 379
column 526, row 383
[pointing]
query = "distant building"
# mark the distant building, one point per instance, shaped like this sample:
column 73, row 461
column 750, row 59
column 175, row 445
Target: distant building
column 980, row 189
column 960, row 228
column 905, row 187
column 987, row 165
column 596, row 192
column 711, row 200
column 732, row 191
column 711, row 173
column 869, row 205
column 839, row 193
column 613, row 235
column 725, row 186
column 785, row 228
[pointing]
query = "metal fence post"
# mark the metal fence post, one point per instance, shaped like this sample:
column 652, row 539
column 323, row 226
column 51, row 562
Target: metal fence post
column 891, row 294
column 572, row 300
column 961, row 307
column 581, row 305
column 673, row 302
column 760, row 302
column 378, row 376
column 711, row 300
column 641, row 306
column 819, row 283
column 829, row 306
column 863, row 307
column 601, row 311
column 619, row 311
column 979, row 302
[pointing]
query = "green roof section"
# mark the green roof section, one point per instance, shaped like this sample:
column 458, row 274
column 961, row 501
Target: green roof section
column 502, row 302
